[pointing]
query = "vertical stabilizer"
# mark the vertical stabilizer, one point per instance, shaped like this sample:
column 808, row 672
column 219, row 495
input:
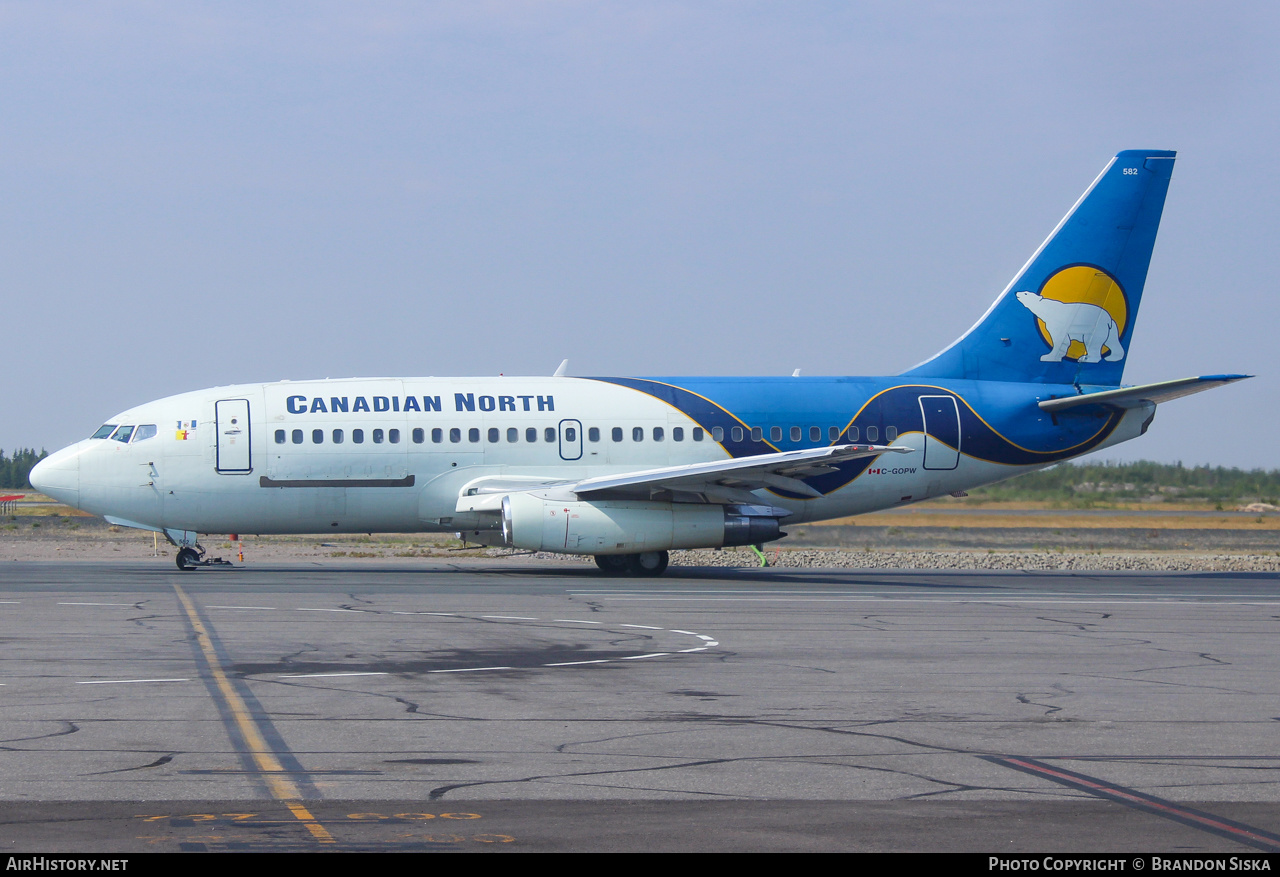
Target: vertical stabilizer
column 1068, row 315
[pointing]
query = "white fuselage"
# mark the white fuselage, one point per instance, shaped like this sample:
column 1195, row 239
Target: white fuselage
column 396, row 455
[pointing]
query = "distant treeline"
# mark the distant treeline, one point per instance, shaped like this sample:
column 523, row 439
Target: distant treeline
column 1085, row 484
column 14, row 470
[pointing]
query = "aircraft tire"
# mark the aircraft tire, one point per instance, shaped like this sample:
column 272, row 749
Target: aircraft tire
column 614, row 564
column 648, row 564
column 187, row 559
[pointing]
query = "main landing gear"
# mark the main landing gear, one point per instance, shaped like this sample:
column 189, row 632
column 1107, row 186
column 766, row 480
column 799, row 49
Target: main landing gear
column 648, row 563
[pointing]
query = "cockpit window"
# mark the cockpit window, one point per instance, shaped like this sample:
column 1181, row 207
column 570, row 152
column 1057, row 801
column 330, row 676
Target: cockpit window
column 104, row 431
column 146, row 431
column 122, row 434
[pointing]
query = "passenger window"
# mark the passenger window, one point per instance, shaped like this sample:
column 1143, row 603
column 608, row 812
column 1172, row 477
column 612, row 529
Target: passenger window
column 873, row 434
column 357, row 436
column 757, row 434
column 677, row 433
column 104, row 431
column 393, row 436
column 890, row 433
column 337, row 436
column 853, row 433
column 493, row 435
column 531, row 434
column 717, row 433
column 513, row 434
column 593, row 434
column 833, row 432
column 795, row 433
column 455, row 435
column 437, row 436
column 617, row 434
column 697, row 433
column 317, row 436
column 657, row 433
column 549, row 434
column 122, row 434
column 377, row 436
column 297, row 436
column 144, row 432
column 815, row 433
column 775, row 433
column 637, row 433
column 419, row 435
column 570, row 434
column 279, row 436
column 473, row 434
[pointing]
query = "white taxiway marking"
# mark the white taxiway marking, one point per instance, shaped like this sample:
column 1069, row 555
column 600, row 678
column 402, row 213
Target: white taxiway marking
column 126, row 681
column 469, row 670
column 707, row 642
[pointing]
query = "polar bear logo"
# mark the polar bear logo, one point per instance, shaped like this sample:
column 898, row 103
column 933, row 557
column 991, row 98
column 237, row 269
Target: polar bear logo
column 1065, row 322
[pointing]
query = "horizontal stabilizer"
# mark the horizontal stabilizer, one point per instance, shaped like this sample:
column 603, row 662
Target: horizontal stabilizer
column 1132, row 397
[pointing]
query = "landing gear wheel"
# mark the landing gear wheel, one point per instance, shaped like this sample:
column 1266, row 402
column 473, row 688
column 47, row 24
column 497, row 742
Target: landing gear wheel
column 188, row 559
column 614, row 564
column 649, row 563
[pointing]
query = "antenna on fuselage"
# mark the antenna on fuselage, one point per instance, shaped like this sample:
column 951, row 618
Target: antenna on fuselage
column 564, row 367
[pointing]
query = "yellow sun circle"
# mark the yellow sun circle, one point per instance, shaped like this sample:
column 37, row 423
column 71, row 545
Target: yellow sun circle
column 1085, row 283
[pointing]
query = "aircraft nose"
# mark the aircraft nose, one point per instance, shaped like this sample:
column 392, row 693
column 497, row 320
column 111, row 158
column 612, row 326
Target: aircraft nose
column 58, row 476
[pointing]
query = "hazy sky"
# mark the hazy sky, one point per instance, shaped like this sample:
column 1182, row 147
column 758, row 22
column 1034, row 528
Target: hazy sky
column 208, row 193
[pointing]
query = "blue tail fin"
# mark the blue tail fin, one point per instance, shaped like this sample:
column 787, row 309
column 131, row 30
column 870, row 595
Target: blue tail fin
column 1068, row 315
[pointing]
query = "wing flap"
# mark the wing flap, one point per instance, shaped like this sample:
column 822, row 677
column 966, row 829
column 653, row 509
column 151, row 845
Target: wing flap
column 782, row 470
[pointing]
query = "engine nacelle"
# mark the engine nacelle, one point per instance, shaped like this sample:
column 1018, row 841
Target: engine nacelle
column 626, row 527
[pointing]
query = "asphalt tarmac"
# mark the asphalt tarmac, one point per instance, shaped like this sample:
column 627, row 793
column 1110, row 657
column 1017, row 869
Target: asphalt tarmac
column 508, row 706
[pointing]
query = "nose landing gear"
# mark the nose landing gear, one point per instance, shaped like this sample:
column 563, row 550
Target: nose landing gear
column 190, row 552
column 188, row 559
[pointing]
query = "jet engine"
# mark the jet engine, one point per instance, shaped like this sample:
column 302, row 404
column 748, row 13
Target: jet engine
column 627, row 527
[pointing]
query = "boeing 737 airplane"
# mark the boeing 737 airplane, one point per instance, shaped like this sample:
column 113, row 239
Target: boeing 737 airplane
column 628, row 469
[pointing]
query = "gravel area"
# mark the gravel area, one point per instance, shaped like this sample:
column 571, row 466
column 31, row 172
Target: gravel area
column 85, row 539
column 993, row 560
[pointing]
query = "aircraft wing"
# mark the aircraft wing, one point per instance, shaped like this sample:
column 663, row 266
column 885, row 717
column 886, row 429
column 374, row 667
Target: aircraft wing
column 723, row 481
column 733, row 480
column 1132, row 397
